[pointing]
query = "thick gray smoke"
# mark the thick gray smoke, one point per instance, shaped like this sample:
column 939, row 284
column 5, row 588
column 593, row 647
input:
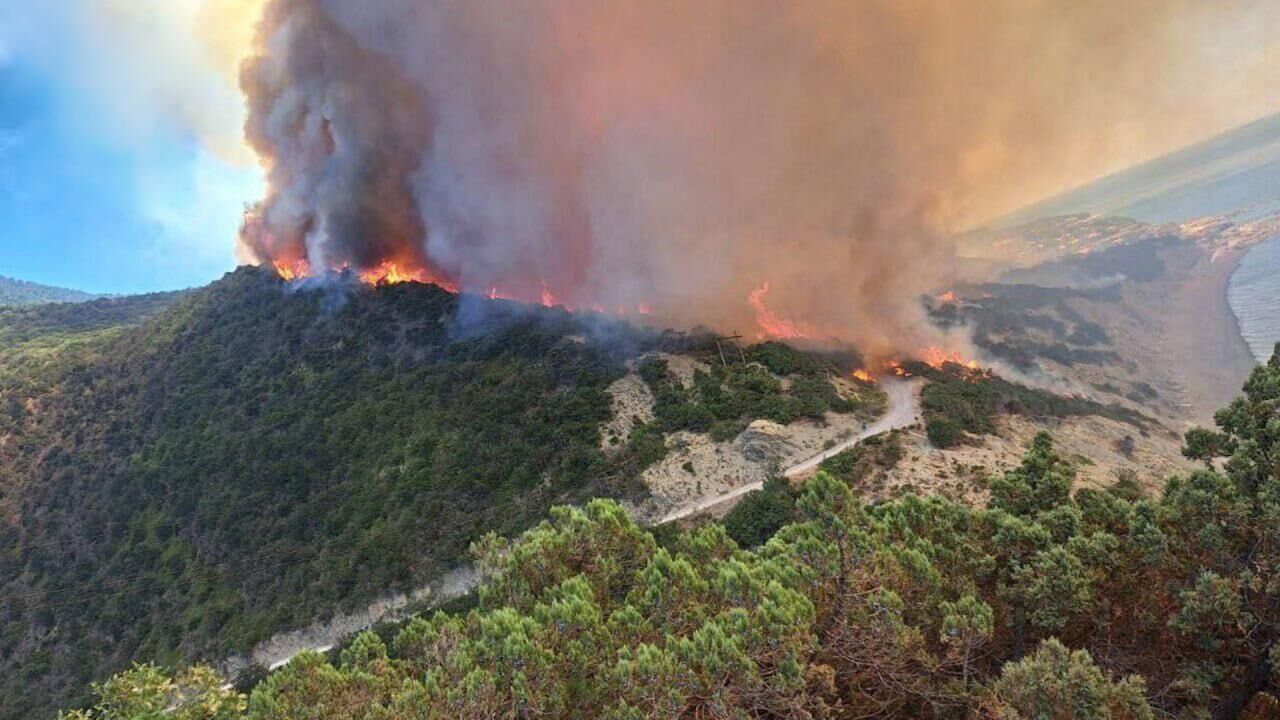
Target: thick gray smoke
column 670, row 154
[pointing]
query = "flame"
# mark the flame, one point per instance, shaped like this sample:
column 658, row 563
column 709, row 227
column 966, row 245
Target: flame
column 937, row 357
column 946, row 297
column 772, row 325
column 863, row 376
column 390, row 273
column 547, row 298
column 290, row 271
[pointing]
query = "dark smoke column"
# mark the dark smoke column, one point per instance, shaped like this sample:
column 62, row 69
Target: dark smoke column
column 661, row 154
column 341, row 132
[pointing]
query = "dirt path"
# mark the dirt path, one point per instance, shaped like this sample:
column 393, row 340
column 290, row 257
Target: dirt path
column 902, row 412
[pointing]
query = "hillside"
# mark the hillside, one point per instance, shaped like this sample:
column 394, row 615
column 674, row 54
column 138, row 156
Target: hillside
column 184, row 476
column 1108, row 304
column 1100, row 604
column 22, row 292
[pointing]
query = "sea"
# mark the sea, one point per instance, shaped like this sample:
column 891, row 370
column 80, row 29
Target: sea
column 1254, row 295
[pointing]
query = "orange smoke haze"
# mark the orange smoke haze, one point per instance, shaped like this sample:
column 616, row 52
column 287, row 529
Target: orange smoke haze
column 673, row 155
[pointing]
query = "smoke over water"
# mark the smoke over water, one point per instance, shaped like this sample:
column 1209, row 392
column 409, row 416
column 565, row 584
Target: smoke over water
column 674, row 155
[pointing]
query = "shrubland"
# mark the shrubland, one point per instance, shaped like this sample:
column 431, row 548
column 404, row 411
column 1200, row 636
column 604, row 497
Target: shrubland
column 183, row 475
column 1044, row 603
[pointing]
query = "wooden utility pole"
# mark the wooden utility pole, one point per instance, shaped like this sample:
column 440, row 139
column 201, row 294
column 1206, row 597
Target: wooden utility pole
column 732, row 339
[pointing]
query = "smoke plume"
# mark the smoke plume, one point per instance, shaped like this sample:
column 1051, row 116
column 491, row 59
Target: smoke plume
column 678, row 155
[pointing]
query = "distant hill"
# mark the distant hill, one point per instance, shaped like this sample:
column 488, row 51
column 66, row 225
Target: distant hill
column 1238, row 170
column 23, row 292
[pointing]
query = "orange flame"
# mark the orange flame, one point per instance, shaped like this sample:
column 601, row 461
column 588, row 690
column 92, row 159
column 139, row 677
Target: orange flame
column 290, row 271
column 769, row 321
column 547, row 299
column 946, row 297
column 937, row 357
column 390, row 272
column 863, row 376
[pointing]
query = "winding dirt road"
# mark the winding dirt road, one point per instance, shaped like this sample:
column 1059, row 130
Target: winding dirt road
column 901, row 413
column 284, row 646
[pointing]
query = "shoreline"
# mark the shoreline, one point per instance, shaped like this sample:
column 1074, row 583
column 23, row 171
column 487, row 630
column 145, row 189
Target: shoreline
column 1235, row 259
column 1203, row 334
column 1238, row 261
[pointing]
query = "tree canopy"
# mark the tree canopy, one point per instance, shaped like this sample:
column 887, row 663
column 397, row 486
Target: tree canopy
column 1042, row 605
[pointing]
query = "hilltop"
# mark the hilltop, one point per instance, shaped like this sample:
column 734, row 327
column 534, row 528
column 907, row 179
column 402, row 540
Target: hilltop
column 23, row 292
column 185, row 475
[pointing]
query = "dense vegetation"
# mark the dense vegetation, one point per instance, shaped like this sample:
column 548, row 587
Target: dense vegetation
column 183, row 475
column 959, row 402
column 1041, row 605
column 861, row 463
column 255, row 456
column 42, row 344
column 23, row 292
column 723, row 399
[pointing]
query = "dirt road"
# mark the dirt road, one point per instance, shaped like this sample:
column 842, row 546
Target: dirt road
column 280, row 649
column 901, row 413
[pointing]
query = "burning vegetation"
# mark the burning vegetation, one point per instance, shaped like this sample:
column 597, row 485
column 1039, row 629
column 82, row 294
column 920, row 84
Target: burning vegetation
column 594, row 155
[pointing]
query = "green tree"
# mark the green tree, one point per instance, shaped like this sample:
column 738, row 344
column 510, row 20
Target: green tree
column 147, row 692
column 967, row 624
column 761, row 513
column 1054, row 683
column 1205, row 445
column 1040, row 483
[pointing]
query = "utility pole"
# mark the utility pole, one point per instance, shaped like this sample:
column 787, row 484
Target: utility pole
column 730, row 339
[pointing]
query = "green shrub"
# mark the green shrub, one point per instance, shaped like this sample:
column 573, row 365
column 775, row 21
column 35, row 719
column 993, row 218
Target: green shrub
column 943, row 431
column 761, row 513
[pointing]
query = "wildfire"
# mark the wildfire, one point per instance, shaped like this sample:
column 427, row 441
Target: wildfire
column 946, row 297
column 772, row 325
column 388, row 273
column 937, row 357
column 862, row 376
column 547, row 299
column 392, row 273
column 292, row 270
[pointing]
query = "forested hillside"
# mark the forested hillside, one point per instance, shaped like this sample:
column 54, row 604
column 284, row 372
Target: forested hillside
column 181, row 477
column 23, row 292
column 1044, row 604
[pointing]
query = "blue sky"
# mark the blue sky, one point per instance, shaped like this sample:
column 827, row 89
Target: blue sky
column 101, row 188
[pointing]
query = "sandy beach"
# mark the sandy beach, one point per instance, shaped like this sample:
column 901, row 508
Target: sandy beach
column 1204, row 334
